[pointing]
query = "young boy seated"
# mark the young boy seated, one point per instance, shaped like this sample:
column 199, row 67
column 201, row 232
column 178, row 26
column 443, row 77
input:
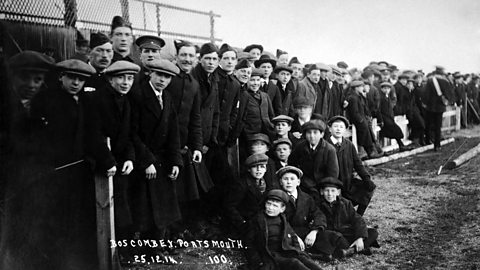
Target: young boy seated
column 260, row 144
column 359, row 191
column 302, row 213
column 246, row 195
column 271, row 241
column 282, row 150
column 283, row 125
column 350, row 233
column 315, row 157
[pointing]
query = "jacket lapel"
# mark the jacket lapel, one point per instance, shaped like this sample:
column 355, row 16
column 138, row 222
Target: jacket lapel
column 151, row 100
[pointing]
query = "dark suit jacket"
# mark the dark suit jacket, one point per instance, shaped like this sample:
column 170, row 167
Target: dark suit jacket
column 304, row 215
column 229, row 94
column 431, row 99
column 275, row 96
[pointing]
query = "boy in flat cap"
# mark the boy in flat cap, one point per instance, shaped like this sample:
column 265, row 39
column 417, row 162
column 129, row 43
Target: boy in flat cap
column 157, row 152
column 68, row 200
column 359, row 191
column 315, row 157
column 286, row 87
column 246, row 195
column 260, row 144
column 282, row 148
column 266, row 64
column 122, row 40
column 109, row 116
column 283, row 126
column 100, row 57
column 255, row 50
column 401, row 89
column 271, row 241
column 303, row 113
column 346, row 232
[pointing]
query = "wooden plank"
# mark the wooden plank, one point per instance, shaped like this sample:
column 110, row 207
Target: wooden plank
column 103, row 222
column 463, row 158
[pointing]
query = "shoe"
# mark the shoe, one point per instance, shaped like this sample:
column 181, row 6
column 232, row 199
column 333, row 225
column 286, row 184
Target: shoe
column 342, row 253
column 321, row 257
column 374, row 154
column 405, row 148
column 362, row 154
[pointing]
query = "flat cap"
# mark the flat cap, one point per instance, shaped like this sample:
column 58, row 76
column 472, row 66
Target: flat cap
column 280, row 52
column 31, row 60
column 314, row 124
column 278, row 195
column 257, row 72
column 208, row 48
column 336, row 70
column 338, row 118
column 77, row 67
column 403, row 76
column 242, row 64
column 386, row 84
column 98, row 39
column 301, row 101
column 282, row 141
column 259, row 137
column 385, row 63
column 163, row 66
column 150, row 42
column 457, row 75
column 323, row 66
column 122, row 67
column 246, row 56
column 226, row 48
column 294, row 60
column 265, row 58
column 291, row 169
column 330, row 182
column 253, row 46
column 342, row 64
column 357, row 83
column 283, row 68
column 256, row 159
column 282, row 118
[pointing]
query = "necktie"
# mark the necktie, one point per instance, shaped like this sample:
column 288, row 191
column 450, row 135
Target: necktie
column 293, row 198
column 160, row 101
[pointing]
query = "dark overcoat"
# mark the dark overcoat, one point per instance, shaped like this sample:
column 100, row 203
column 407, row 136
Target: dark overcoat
column 431, row 99
column 229, row 94
column 389, row 129
column 357, row 112
column 275, row 96
column 287, row 97
column 402, row 105
column 304, row 215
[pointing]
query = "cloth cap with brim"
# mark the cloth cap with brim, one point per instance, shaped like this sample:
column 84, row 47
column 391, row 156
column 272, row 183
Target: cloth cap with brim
column 386, row 84
column 294, row 60
column 403, row 76
column 357, row 83
column 77, row 67
column 336, row 70
column 256, row 159
column 277, row 195
column 457, row 75
column 98, row 39
column 150, row 42
column 242, row 64
column 339, row 118
column 258, row 137
column 122, row 67
column 302, row 102
column 265, row 58
column 282, row 141
column 314, row 124
column 282, row 118
column 291, row 169
column 383, row 62
column 323, row 67
column 31, row 60
column 163, row 66
column 283, row 68
column 257, row 72
column 331, row 182
column 342, row 64
column 253, row 46
column 245, row 56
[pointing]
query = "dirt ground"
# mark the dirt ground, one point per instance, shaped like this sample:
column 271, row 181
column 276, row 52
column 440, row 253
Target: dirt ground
column 425, row 220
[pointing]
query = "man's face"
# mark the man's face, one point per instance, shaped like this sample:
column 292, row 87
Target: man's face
column 255, row 53
column 330, row 193
column 274, row 208
column 304, row 112
column 243, row 74
column 27, row 83
column 313, row 136
column 385, row 76
column 366, row 89
column 72, row 83
column 338, row 129
column 258, row 147
column 122, row 39
column 289, row 182
column 419, row 80
column 148, row 55
column 209, row 62
column 403, row 81
column 283, row 151
column 284, row 76
column 267, row 69
column 228, row 61
column 122, row 83
column 258, row 171
column 297, row 70
column 323, row 74
column 254, row 83
column 160, row 80
column 185, row 58
column 282, row 128
column 283, row 59
column 359, row 89
column 314, row 75
column 101, row 56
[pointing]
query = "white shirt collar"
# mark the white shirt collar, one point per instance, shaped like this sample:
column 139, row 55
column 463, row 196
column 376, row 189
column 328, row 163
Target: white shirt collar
column 335, row 141
column 157, row 93
column 294, row 194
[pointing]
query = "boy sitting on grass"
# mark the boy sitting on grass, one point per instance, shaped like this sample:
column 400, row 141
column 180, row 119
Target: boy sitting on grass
column 350, row 231
column 271, row 242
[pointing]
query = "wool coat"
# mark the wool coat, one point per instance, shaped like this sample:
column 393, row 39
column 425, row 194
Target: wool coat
column 275, row 96
column 389, row 129
column 229, row 95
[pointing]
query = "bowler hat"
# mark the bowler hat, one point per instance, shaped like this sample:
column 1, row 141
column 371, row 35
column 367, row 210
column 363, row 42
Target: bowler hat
column 256, row 159
column 163, row 66
column 338, row 118
column 291, row 169
column 330, row 182
column 31, row 60
column 265, row 58
column 122, row 67
column 150, row 42
column 278, row 195
column 77, row 67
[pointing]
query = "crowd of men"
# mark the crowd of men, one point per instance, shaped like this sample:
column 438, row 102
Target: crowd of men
column 167, row 131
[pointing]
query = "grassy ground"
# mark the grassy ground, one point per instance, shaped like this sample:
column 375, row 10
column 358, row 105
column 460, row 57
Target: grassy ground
column 425, row 220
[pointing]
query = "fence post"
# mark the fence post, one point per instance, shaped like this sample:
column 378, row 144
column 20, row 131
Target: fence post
column 212, row 26
column 125, row 10
column 158, row 19
column 144, row 17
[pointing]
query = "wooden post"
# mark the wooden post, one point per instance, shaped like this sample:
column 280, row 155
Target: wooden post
column 233, row 159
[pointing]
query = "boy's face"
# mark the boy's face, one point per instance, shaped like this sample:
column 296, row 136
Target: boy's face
column 243, row 74
column 338, row 129
column 122, row 39
column 254, row 83
column 386, row 90
column 289, row 182
column 160, row 80
column 304, row 112
column 282, row 128
column 255, row 53
column 257, row 171
column 313, row 136
column 284, row 76
column 122, row 83
column 258, row 147
column 283, row 59
column 314, row 75
column 72, row 83
column 267, row 69
column 283, row 151
column 297, row 70
column 359, row 89
column 330, row 193
column 274, row 208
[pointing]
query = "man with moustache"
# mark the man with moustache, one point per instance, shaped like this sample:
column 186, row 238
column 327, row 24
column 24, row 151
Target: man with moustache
column 122, row 40
column 100, row 57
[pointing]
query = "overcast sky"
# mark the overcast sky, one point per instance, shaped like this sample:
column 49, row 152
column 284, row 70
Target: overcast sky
column 411, row 34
